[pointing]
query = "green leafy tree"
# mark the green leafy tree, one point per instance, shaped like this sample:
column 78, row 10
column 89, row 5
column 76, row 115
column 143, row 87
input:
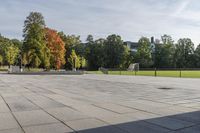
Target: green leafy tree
column 8, row 51
column 115, row 51
column 164, row 53
column 128, row 58
column 90, row 39
column 197, row 57
column 1, row 60
column 83, row 62
column 95, row 54
column 17, row 43
column 144, row 53
column 74, row 60
column 71, row 42
column 34, row 39
column 11, row 54
column 184, row 53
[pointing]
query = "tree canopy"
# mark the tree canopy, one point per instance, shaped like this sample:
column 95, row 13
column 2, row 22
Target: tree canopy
column 34, row 42
column 56, row 47
column 46, row 48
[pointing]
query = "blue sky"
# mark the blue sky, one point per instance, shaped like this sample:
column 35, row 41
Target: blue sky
column 129, row 18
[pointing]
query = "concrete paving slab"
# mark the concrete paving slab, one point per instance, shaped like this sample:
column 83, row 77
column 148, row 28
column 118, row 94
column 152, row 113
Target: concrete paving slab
column 94, row 111
column 3, row 107
column 25, row 105
column 43, row 102
column 193, row 117
column 170, row 123
column 99, row 103
column 11, row 131
column 194, row 129
column 36, row 117
column 85, row 124
column 7, row 121
column 142, row 127
column 49, row 128
column 66, row 114
column 116, row 108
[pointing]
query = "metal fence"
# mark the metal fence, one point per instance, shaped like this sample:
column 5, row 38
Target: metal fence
column 162, row 72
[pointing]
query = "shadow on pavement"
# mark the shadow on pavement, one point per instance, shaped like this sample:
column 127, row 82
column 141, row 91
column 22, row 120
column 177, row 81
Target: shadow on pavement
column 180, row 123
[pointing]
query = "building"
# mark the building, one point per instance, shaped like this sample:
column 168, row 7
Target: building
column 133, row 46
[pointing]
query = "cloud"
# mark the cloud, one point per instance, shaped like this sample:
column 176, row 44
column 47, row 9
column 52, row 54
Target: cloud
column 182, row 5
column 129, row 18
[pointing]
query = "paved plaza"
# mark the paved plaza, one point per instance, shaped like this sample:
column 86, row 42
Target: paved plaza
column 98, row 104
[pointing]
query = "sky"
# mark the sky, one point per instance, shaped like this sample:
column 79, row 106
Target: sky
column 131, row 19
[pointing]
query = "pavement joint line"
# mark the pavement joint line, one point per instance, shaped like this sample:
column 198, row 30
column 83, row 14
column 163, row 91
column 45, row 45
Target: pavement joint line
column 51, row 115
column 138, row 109
column 105, row 109
column 113, row 125
column 144, row 93
column 58, row 101
column 13, row 114
column 153, row 113
column 157, row 125
column 113, row 81
column 178, row 104
column 41, row 124
column 50, row 99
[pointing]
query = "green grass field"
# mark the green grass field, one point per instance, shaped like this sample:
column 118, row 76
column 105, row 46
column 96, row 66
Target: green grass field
column 184, row 74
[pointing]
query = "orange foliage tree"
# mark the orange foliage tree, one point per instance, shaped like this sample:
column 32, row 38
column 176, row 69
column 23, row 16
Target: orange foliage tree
column 56, row 47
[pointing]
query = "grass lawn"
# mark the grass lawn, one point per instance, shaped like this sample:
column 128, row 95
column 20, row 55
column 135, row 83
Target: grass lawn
column 184, row 74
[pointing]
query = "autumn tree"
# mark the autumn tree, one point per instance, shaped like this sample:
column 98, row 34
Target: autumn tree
column 57, row 48
column 72, row 42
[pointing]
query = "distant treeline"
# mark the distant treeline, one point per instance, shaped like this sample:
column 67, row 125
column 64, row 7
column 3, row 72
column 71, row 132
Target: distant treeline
column 43, row 47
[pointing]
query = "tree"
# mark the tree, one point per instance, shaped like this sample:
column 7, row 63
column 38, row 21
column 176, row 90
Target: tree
column 57, row 48
column 1, row 60
column 71, row 42
column 114, row 51
column 74, row 60
column 90, row 39
column 17, row 43
column 8, row 51
column 167, row 39
column 197, row 57
column 184, row 53
column 83, row 62
column 95, row 54
column 144, row 53
column 164, row 52
column 11, row 54
column 34, row 39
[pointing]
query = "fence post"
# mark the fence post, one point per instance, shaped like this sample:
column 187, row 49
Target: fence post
column 155, row 72
column 180, row 73
column 120, row 71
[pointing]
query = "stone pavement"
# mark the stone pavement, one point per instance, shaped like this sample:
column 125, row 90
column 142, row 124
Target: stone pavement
column 98, row 104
